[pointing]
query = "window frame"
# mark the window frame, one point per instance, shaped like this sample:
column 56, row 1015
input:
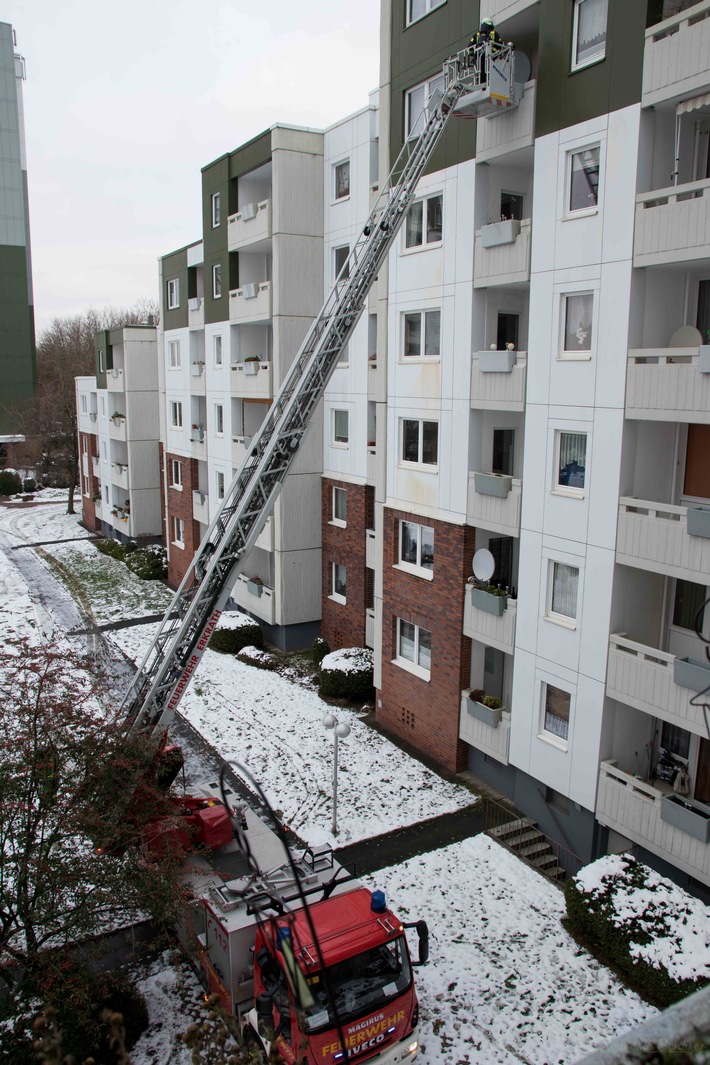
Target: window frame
column 424, row 244
column 417, row 569
column 176, row 420
column 576, row 64
column 412, row 665
column 556, row 739
column 410, row 131
column 176, row 478
column 345, row 443
column 576, row 354
column 101, row 360
column 220, row 485
column 173, row 293
column 568, row 621
column 217, row 281
column 219, row 419
column 420, row 464
column 336, row 270
column 573, row 491
column 217, row 351
column 422, row 315
column 581, row 212
column 178, row 531
column 336, row 596
column 339, row 493
column 431, row 5
column 216, row 209
column 338, row 198
column 174, row 355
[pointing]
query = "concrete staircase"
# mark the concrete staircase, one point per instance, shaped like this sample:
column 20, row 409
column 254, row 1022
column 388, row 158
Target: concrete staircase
column 523, row 838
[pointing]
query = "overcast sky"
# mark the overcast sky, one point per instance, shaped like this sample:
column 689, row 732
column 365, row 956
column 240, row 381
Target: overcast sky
column 125, row 102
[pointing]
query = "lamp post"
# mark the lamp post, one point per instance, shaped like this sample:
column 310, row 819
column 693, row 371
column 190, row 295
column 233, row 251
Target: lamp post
column 340, row 732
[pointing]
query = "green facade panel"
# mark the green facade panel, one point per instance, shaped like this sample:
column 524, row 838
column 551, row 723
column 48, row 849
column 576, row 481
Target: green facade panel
column 17, row 336
column 175, row 268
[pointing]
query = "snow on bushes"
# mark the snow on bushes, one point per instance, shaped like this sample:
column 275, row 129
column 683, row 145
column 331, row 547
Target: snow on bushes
column 234, row 632
column 254, row 656
column 10, row 482
column 655, row 932
column 347, row 673
column 320, row 649
column 149, row 563
column 112, row 548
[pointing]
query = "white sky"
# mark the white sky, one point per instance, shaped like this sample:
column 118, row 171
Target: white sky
column 124, row 103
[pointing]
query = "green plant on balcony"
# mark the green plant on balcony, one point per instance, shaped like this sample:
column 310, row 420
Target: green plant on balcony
column 486, row 708
column 491, row 701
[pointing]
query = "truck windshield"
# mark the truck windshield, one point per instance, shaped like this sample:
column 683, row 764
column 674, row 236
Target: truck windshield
column 360, row 984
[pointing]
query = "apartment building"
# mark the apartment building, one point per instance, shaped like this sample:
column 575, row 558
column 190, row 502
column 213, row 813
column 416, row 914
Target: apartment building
column 17, row 331
column 117, row 421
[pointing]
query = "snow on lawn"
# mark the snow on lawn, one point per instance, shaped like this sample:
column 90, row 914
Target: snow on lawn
column 18, row 617
column 505, row 983
column 47, row 521
column 275, row 728
column 174, row 1000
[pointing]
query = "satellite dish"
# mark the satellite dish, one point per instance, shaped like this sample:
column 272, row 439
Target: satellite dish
column 483, row 564
column 523, row 67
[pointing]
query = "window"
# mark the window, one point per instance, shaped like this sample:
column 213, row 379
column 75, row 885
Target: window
column 414, row 648
column 179, row 532
column 101, row 360
column 85, row 445
column 174, row 360
column 676, row 740
column 507, row 330
column 688, row 605
column 563, row 591
column 571, row 460
column 84, row 404
column 422, row 334
column 501, row 547
column 216, row 209
column 588, row 32
column 340, row 497
column 420, row 441
column 556, row 707
column 511, row 206
column 341, row 427
column 583, row 179
column 416, row 101
column 217, row 281
column 173, row 294
column 217, row 350
column 416, row 546
column 103, row 405
column 424, row 222
column 105, row 493
column 418, row 8
column 104, row 453
column 577, row 311
column 219, row 419
column 503, row 451
column 341, row 175
column 341, row 258
column 175, row 414
column 220, row 485
column 175, row 474
column 339, row 583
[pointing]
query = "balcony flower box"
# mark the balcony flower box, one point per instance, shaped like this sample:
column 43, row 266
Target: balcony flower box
column 198, row 368
column 493, row 484
column 699, row 521
column 500, row 233
column 252, row 365
column 704, row 358
column 497, row 361
column 254, row 586
column 489, row 715
column 251, row 290
column 491, row 602
column 687, row 815
column 692, row 673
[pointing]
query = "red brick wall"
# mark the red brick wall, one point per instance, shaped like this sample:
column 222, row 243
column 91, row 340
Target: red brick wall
column 343, row 624
column 426, row 713
column 88, row 510
column 180, row 506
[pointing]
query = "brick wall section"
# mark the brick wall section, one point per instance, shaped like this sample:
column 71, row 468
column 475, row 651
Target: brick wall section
column 180, row 506
column 88, row 510
column 343, row 624
column 426, row 713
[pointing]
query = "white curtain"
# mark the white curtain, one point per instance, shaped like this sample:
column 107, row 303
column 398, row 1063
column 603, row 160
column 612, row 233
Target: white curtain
column 591, row 29
column 564, row 590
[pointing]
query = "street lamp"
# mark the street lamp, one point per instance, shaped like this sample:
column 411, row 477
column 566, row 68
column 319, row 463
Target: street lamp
column 340, row 732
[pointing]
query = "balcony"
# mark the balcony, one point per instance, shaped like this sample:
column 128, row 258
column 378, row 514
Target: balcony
column 201, row 507
column 500, row 260
column 655, row 537
column 488, row 628
column 634, row 809
column 675, row 59
column 117, row 428
column 239, row 449
column 249, row 226
column 642, row 677
column 498, row 390
column 667, row 385
column 114, row 380
column 499, row 10
column 196, row 312
column 198, row 445
column 253, row 380
column 370, row 627
column 197, row 379
column 370, row 559
column 500, row 512
column 257, row 599
column 495, row 742
column 119, row 474
column 673, row 225
column 251, row 303
column 508, row 132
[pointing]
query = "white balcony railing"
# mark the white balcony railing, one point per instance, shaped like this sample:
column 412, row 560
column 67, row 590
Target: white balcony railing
column 370, row 548
column 119, row 474
column 114, row 380
column 665, row 384
column 499, row 391
column 250, row 225
column 503, row 264
column 253, row 379
column 239, row 446
column 196, row 312
column 633, row 808
column 495, row 742
column 654, row 536
column 117, row 428
column 508, row 132
column 488, row 628
column 251, row 303
column 673, row 225
column 257, row 599
column 675, row 60
column 201, row 507
column 498, row 513
column 370, row 627
column 95, row 465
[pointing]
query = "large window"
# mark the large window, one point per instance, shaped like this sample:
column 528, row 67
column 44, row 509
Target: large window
column 414, row 647
column 179, row 532
column 341, row 177
column 219, row 419
column 422, row 334
column 577, row 336
column 571, row 461
column 341, row 428
column 217, row 349
column 424, row 224
column 416, row 104
column 583, row 179
column 175, row 474
column 563, row 591
column 418, row 8
column 217, row 281
column 503, row 451
column 340, row 498
column 174, row 360
column 173, row 294
column 420, row 441
column 416, row 546
column 340, row 256
column 339, row 585
column 589, row 32
column 555, row 712
column 175, row 414
column 688, row 605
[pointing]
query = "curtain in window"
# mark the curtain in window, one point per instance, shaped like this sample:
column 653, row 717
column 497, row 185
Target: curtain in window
column 339, row 580
column 342, row 180
column 578, row 322
column 557, row 711
column 584, row 180
column 409, row 542
column 573, row 459
column 406, row 640
column 432, row 332
column 591, row 29
column 434, row 219
column 412, row 334
column 415, row 105
column 424, row 658
column 564, row 590
column 417, row 8
column 413, row 231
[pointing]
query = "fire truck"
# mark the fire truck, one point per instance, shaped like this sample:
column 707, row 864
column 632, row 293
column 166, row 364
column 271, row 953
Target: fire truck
column 307, row 958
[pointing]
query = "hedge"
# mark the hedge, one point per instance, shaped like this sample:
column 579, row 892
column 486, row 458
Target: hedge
column 112, row 548
column 235, row 632
column 148, row 563
column 320, row 649
column 10, row 482
column 254, row 656
column 347, row 674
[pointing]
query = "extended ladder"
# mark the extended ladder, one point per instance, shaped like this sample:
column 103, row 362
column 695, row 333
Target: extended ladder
column 192, row 616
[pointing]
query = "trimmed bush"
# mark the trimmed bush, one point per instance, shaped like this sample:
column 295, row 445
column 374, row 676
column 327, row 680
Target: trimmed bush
column 347, row 674
column 29, row 484
column 321, row 648
column 10, row 483
column 235, row 632
column 148, row 563
column 112, row 548
column 254, row 656
column 648, row 927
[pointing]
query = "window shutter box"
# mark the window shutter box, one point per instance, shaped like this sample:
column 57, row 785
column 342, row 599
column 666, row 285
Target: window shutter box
column 699, row 521
column 500, row 233
column 687, row 815
column 497, row 361
column 493, row 484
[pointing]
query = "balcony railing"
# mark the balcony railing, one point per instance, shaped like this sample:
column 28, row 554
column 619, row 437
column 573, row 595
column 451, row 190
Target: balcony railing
column 642, row 677
column 508, row 132
column 253, row 379
column 633, row 808
column 239, row 447
column 201, row 507
column 370, row 627
column 488, row 628
column 196, row 312
column 370, row 548
column 250, row 225
column 665, row 384
column 654, row 536
column 495, row 742
column 498, row 390
column 95, row 465
column 502, row 264
column 251, row 303
column 114, row 380
column 673, row 224
column 500, row 513
column 259, row 602
column 675, row 60
column 117, row 428
column 119, row 474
